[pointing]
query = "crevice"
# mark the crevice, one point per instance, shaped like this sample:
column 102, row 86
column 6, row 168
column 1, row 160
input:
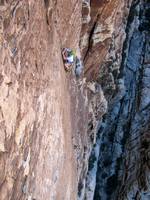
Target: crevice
column 90, row 39
column 46, row 3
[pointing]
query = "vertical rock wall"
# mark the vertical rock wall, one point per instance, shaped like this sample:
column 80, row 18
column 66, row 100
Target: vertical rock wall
column 136, row 166
column 49, row 119
column 36, row 150
column 122, row 167
column 102, row 38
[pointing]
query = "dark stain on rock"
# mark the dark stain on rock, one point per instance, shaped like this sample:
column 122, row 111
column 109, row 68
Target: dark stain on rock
column 1, row 2
column 1, row 79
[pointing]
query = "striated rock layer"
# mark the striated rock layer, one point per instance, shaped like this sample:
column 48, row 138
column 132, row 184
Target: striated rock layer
column 36, row 148
column 121, row 166
column 102, row 37
column 136, row 158
column 50, row 119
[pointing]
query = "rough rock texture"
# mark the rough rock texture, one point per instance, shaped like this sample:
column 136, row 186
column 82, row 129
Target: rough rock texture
column 136, row 162
column 36, row 150
column 49, row 119
column 102, row 37
column 121, row 164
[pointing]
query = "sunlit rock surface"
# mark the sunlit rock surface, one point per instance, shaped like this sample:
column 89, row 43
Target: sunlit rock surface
column 36, row 151
column 52, row 121
column 49, row 118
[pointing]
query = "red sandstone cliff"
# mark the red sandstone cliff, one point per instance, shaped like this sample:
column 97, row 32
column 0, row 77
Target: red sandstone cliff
column 36, row 151
column 49, row 118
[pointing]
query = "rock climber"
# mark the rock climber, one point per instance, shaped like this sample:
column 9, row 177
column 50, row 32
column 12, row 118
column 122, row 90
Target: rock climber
column 69, row 58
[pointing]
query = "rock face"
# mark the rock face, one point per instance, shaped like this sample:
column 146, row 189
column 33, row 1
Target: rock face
column 102, row 38
column 36, row 150
column 44, row 112
column 50, row 120
column 122, row 170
